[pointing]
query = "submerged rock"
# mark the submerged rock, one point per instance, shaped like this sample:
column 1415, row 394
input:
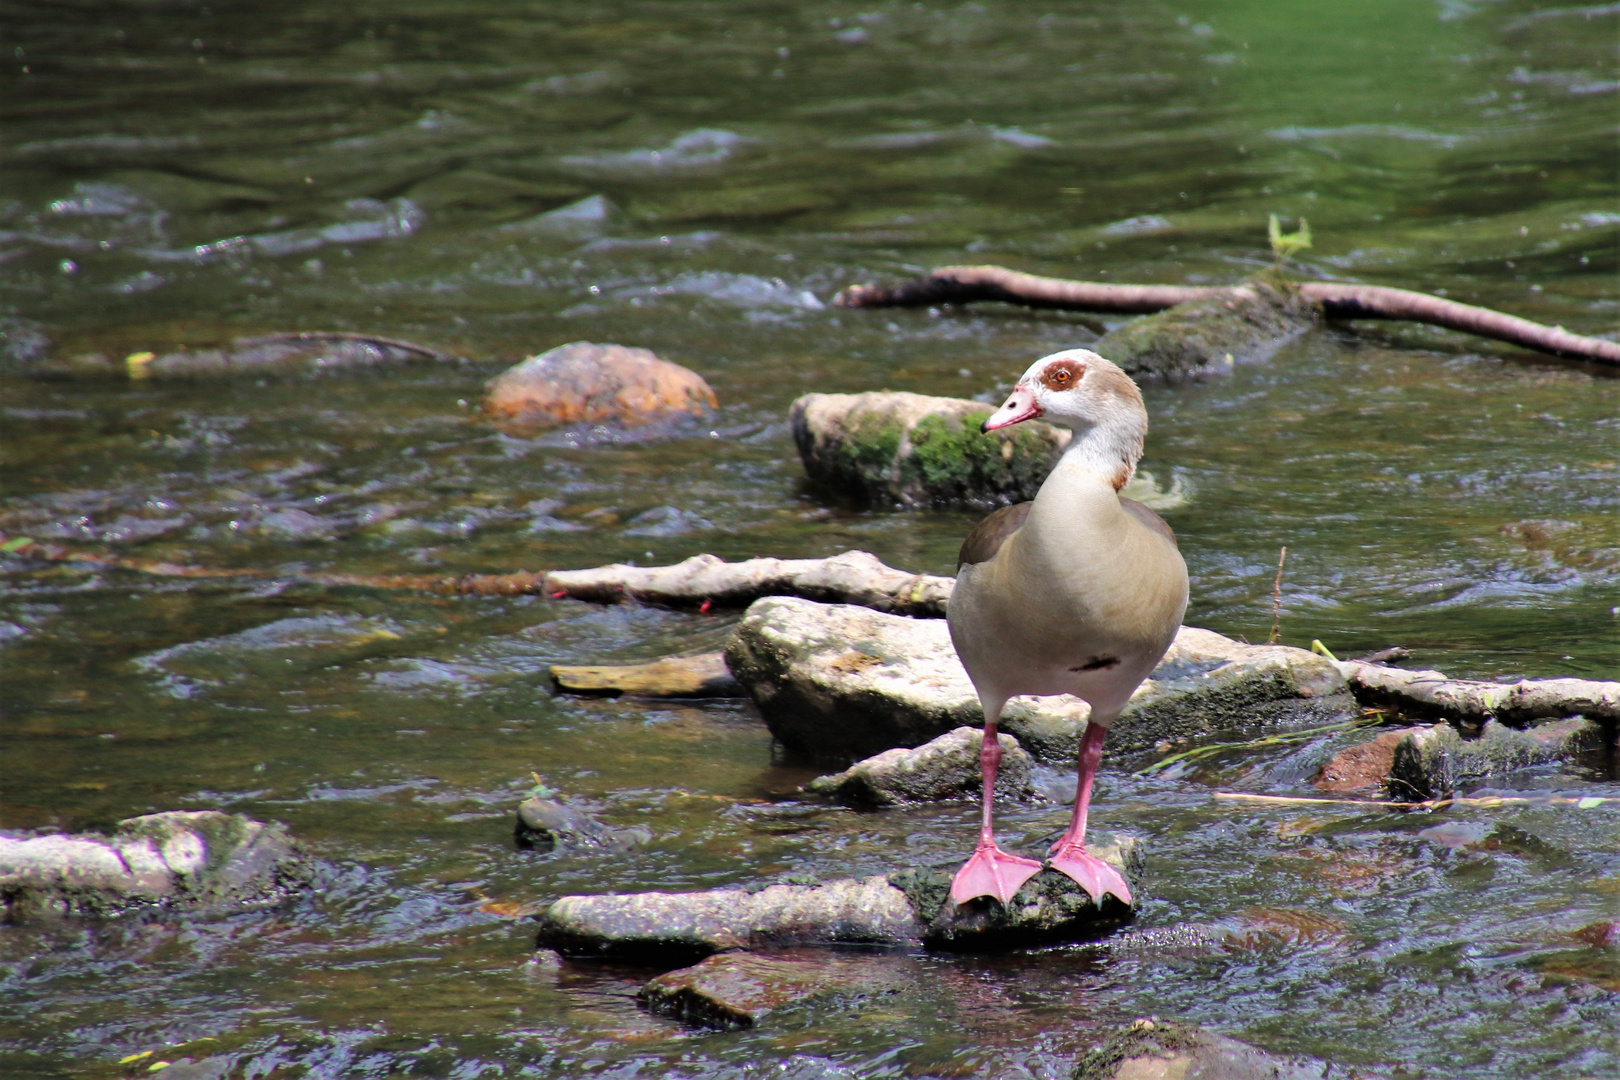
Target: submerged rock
column 546, row 824
column 943, row 768
column 740, row 989
column 1435, row 761
column 585, row 383
column 1247, row 322
column 1152, row 1049
column 271, row 354
column 183, row 860
column 920, row 451
column 904, row 909
column 674, row 676
column 834, row 681
column 1363, row 766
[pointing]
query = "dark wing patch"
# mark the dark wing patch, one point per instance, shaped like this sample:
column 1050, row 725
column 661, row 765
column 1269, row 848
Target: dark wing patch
column 1148, row 518
column 988, row 535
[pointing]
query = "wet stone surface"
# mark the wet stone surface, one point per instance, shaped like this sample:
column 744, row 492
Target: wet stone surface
column 833, row 680
column 1250, row 323
column 906, row 908
column 942, row 768
column 1153, row 1049
column 1438, row 760
column 200, row 860
column 587, row 383
column 742, row 989
column 674, row 676
column 545, row 824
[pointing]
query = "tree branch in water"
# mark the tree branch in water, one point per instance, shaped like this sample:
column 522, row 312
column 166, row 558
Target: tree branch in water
column 964, row 284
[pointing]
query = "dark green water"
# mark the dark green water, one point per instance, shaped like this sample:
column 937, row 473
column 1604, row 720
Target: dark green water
column 174, row 174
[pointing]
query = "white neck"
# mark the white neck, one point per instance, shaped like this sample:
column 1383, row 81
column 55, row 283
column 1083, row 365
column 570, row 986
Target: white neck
column 1108, row 452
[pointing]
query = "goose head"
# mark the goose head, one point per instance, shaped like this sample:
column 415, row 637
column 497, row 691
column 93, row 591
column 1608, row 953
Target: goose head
column 1090, row 396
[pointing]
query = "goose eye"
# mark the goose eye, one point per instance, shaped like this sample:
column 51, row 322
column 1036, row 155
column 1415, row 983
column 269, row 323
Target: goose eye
column 1060, row 376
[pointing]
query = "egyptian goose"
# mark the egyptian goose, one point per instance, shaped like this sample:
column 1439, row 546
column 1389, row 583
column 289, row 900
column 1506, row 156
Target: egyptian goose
column 1078, row 592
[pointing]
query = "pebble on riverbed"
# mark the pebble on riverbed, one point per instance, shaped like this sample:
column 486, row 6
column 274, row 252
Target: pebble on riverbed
column 839, row 682
column 586, row 383
column 545, row 824
column 179, row 860
column 942, row 768
column 904, row 909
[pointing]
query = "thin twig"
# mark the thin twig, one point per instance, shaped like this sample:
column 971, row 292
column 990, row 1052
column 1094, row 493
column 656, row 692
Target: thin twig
column 1276, row 599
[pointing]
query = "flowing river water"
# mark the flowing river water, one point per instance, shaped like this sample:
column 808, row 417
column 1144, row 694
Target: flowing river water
column 176, row 174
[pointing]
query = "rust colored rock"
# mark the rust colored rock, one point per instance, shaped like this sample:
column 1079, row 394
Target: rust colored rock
column 1362, row 766
column 585, row 383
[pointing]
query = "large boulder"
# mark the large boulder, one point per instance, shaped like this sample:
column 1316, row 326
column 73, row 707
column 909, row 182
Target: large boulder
column 186, row 860
column 906, row 908
column 585, row 383
column 1247, row 322
column 920, row 451
column 838, row 682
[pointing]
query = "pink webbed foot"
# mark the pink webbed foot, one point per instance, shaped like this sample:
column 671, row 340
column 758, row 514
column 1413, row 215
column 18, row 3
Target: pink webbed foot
column 992, row 872
column 1087, row 871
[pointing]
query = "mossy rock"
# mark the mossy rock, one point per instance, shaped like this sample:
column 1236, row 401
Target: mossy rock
column 919, row 451
column 1245, row 323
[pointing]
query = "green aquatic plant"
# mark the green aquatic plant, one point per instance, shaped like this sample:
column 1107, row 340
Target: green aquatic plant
column 1284, row 245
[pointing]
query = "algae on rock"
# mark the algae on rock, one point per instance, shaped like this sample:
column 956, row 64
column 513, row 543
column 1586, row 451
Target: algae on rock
column 916, row 450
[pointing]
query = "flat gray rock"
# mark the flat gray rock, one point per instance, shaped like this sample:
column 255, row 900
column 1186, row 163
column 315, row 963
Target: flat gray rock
column 835, row 681
column 1435, row 761
column 186, row 860
column 904, row 909
column 943, row 768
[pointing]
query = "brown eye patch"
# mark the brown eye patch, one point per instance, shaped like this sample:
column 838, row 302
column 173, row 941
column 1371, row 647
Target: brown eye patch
column 1062, row 374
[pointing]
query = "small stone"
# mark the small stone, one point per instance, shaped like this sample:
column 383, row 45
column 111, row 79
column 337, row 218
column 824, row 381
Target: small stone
column 1049, row 909
column 1154, row 1049
column 703, row 676
column 739, row 989
column 1435, row 761
column 545, row 824
column 943, row 768
column 920, row 451
column 184, row 860
column 1363, row 766
column 585, row 383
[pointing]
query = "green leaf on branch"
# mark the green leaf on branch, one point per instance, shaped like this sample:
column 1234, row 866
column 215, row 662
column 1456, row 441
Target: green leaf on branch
column 1284, row 244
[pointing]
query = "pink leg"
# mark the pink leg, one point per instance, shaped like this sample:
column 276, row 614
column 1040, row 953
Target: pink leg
column 1068, row 855
column 991, row 871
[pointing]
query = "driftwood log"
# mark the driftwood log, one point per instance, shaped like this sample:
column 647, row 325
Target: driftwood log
column 963, row 284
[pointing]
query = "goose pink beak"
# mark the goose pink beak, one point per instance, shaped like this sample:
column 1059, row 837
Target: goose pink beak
column 1020, row 407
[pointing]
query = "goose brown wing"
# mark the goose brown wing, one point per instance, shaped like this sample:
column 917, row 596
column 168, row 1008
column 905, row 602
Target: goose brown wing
column 988, row 535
